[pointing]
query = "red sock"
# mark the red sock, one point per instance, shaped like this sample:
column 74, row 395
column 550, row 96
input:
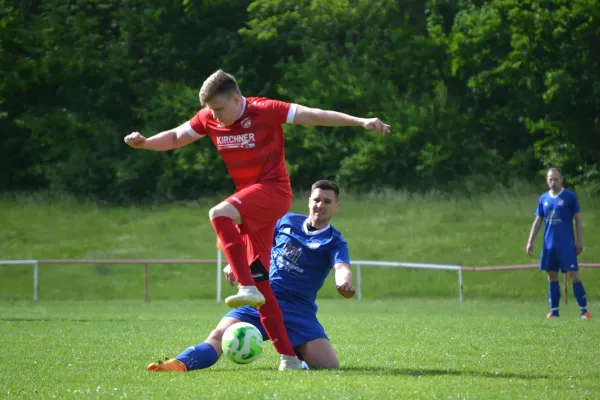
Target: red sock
column 272, row 320
column 234, row 249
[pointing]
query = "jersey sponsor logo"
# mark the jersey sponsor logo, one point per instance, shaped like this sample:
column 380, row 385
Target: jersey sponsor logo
column 287, row 259
column 553, row 218
column 290, row 267
column 246, row 122
column 243, row 141
column 291, row 252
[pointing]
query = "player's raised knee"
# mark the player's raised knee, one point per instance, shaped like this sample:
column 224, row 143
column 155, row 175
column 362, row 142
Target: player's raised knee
column 224, row 209
column 215, row 212
column 220, row 210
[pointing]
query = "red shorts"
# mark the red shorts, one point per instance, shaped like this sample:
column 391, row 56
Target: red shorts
column 261, row 205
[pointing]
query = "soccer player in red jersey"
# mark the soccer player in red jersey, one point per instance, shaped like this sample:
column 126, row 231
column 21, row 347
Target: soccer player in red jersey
column 248, row 134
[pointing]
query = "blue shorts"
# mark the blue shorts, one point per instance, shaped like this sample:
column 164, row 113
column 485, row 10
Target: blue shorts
column 554, row 259
column 301, row 324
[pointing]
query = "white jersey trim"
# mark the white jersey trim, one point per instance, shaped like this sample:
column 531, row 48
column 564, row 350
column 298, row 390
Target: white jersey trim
column 557, row 194
column 190, row 131
column 291, row 113
column 313, row 233
column 243, row 108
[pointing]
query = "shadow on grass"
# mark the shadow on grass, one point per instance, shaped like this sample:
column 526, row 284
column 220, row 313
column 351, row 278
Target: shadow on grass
column 383, row 371
column 436, row 372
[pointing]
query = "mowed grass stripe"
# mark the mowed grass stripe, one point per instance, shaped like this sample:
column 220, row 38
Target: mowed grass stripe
column 388, row 349
column 442, row 229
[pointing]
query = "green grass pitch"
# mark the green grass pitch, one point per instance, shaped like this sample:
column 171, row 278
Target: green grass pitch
column 390, row 349
column 91, row 336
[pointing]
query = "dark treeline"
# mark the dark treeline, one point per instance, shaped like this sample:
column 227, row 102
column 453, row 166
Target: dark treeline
column 477, row 92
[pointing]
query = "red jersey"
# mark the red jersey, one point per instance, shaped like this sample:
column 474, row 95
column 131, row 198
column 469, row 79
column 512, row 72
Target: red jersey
column 253, row 146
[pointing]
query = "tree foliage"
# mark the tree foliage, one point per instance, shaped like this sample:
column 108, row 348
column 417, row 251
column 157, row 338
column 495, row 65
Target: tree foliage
column 476, row 91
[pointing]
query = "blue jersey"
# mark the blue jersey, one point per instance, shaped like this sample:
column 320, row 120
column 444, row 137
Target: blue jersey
column 301, row 259
column 558, row 212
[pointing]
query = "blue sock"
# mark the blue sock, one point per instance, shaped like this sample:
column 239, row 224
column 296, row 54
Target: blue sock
column 200, row 356
column 554, row 296
column 579, row 293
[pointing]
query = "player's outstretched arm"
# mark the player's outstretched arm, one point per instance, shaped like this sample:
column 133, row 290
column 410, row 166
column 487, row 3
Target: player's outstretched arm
column 343, row 280
column 315, row 116
column 164, row 141
column 535, row 228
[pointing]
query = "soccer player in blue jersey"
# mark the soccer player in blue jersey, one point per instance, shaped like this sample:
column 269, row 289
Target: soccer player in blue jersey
column 305, row 249
column 558, row 207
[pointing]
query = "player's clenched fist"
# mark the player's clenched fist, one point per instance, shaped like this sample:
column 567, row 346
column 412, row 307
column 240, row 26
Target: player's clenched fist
column 229, row 274
column 135, row 140
column 346, row 289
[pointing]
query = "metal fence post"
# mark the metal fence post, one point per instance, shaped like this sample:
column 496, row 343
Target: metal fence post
column 35, row 281
column 358, row 282
column 460, row 286
column 146, row 295
column 219, row 272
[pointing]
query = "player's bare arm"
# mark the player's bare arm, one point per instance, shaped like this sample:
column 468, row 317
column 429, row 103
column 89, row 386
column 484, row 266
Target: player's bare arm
column 317, row 117
column 343, row 280
column 579, row 232
column 164, row 141
column 535, row 228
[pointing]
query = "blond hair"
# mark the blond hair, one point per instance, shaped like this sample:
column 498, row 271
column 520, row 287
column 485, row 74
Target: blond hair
column 219, row 83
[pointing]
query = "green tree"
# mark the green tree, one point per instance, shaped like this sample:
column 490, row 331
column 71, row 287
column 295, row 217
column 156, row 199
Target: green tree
column 361, row 57
column 531, row 70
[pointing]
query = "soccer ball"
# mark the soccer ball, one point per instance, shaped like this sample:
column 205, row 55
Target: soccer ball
column 242, row 343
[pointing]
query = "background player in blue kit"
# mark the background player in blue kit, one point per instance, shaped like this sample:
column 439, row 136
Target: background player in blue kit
column 305, row 249
column 558, row 207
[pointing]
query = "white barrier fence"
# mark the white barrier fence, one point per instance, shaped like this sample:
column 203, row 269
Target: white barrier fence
column 36, row 266
column 35, row 272
column 358, row 264
column 219, row 263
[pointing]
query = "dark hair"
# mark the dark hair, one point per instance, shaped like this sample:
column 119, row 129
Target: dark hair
column 326, row 185
column 218, row 83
